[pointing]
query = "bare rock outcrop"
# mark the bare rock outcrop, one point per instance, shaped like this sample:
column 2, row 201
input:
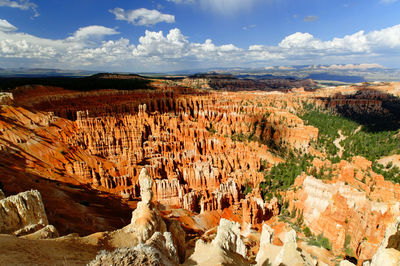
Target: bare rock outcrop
column 6, row 98
column 288, row 254
column 145, row 219
column 228, row 237
column 47, row 232
column 389, row 251
column 2, row 196
column 328, row 206
column 227, row 248
column 346, row 263
column 178, row 239
column 155, row 251
column 22, row 214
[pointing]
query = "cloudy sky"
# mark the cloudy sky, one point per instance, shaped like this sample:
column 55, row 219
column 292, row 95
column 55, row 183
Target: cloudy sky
column 167, row 35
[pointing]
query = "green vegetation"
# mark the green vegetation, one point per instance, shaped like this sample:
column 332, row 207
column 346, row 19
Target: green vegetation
column 239, row 137
column 283, row 175
column 320, row 241
column 392, row 174
column 359, row 139
column 307, row 231
column 247, row 189
column 369, row 144
column 348, row 250
column 211, row 129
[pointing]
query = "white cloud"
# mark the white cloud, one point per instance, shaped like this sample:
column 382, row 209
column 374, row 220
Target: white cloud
column 92, row 32
column 91, row 48
column 142, row 16
column 6, row 26
column 21, row 4
column 352, row 66
column 385, row 38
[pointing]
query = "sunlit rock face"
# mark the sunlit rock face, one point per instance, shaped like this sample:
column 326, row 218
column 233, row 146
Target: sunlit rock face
column 22, row 214
column 340, row 209
column 197, row 156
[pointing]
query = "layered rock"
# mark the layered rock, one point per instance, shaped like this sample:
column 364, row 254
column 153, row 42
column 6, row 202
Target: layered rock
column 47, row 232
column 189, row 141
column 6, row 98
column 288, row 254
column 22, row 214
column 145, row 219
column 347, row 208
column 228, row 237
column 201, row 151
column 147, row 223
column 155, row 251
column 226, row 195
column 388, row 252
column 227, row 248
column 256, row 211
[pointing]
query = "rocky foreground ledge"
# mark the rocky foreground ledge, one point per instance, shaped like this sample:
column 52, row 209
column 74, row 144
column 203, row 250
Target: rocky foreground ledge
column 152, row 240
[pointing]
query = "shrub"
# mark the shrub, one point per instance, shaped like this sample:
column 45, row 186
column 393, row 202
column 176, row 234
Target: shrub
column 321, row 241
column 307, row 231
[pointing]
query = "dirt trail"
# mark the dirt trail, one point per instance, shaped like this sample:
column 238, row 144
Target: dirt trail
column 357, row 130
column 337, row 143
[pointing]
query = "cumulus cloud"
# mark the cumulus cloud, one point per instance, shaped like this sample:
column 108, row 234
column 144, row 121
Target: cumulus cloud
column 89, row 47
column 142, row 16
column 6, row 26
column 92, row 32
column 21, row 4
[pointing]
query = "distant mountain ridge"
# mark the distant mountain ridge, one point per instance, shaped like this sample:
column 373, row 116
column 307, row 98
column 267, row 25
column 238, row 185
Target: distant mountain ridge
column 348, row 73
column 44, row 72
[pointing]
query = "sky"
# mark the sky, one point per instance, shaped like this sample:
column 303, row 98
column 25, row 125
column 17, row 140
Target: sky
column 169, row 35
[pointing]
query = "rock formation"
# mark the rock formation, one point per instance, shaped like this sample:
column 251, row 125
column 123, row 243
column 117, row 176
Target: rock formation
column 346, row 207
column 6, row 98
column 228, row 237
column 22, row 214
column 45, row 233
column 388, row 252
column 227, row 248
column 145, row 219
column 148, row 227
column 203, row 153
column 288, row 254
column 154, row 251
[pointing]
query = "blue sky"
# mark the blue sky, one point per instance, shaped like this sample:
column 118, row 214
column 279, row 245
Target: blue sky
column 167, row 35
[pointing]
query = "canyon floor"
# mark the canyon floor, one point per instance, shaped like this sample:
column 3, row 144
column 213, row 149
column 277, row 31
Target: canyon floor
column 177, row 171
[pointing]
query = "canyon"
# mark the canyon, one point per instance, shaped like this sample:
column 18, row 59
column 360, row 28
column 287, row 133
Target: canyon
column 191, row 163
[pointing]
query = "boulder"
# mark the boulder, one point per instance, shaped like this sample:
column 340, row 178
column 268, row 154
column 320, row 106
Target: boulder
column 22, row 214
column 155, row 251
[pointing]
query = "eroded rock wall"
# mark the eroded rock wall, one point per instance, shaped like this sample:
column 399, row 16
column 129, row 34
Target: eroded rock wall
column 22, row 214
